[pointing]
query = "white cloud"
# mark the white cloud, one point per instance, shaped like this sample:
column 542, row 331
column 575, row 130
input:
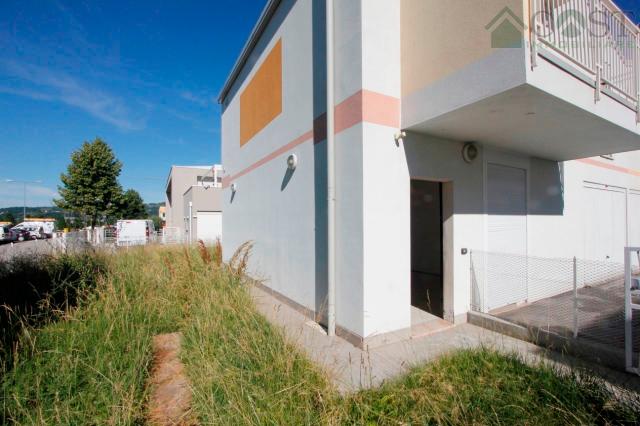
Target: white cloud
column 201, row 100
column 51, row 85
column 11, row 195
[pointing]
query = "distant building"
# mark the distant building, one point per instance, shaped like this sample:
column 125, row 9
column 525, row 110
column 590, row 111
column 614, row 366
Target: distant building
column 193, row 207
column 162, row 213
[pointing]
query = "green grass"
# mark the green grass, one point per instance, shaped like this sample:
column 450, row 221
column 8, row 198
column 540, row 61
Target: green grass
column 89, row 364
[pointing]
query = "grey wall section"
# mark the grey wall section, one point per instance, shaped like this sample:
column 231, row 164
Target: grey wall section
column 204, row 199
column 180, row 179
column 275, row 209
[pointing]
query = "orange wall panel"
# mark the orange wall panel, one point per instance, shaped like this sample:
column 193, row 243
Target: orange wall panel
column 261, row 100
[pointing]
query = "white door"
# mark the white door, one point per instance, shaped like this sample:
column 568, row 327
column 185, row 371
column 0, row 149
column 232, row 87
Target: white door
column 506, row 235
column 209, row 226
column 605, row 222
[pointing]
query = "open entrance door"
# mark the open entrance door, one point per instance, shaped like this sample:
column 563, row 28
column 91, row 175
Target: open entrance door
column 427, row 285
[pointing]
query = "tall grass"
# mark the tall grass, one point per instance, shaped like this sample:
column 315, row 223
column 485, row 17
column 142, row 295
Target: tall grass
column 35, row 289
column 90, row 364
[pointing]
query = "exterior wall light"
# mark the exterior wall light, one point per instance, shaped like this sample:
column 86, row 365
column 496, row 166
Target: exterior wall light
column 292, row 162
column 234, row 187
column 399, row 136
column 469, row 152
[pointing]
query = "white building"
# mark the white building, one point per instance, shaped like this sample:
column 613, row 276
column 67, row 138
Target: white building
column 506, row 120
column 193, row 206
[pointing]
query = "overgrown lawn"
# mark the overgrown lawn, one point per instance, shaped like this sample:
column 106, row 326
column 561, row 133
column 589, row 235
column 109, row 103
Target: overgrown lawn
column 88, row 363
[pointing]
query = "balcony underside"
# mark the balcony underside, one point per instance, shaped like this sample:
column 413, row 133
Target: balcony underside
column 530, row 121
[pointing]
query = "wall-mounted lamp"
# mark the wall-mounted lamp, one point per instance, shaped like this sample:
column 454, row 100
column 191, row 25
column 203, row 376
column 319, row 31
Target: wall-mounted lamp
column 469, row 152
column 234, row 187
column 399, row 137
column 292, row 162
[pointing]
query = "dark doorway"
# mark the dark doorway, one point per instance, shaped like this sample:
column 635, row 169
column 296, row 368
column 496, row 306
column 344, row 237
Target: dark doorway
column 426, row 247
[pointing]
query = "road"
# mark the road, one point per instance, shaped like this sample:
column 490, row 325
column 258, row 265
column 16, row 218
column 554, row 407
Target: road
column 7, row 251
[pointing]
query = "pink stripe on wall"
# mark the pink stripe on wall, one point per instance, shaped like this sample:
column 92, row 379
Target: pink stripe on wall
column 363, row 106
column 608, row 166
column 370, row 107
column 278, row 152
column 380, row 109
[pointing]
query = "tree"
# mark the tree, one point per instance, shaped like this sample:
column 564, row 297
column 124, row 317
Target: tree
column 8, row 217
column 61, row 223
column 90, row 185
column 129, row 205
column 157, row 222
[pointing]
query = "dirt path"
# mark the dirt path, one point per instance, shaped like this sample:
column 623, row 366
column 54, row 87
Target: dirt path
column 170, row 401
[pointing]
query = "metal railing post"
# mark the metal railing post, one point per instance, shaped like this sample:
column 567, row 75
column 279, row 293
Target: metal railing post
column 575, row 298
column 628, row 313
column 636, row 75
column 533, row 30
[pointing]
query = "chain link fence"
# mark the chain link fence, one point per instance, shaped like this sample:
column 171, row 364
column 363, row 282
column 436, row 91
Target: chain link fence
column 573, row 298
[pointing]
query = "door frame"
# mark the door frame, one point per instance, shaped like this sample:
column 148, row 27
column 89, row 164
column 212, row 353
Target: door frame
column 447, row 243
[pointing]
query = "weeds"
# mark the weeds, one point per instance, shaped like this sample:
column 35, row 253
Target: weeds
column 90, row 365
column 204, row 253
column 240, row 259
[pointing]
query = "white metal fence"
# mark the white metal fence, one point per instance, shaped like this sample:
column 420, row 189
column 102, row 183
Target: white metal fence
column 104, row 236
column 594, row 35
column 573, row 298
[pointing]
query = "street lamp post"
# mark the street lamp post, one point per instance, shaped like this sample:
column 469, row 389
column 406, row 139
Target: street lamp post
column 24, row 193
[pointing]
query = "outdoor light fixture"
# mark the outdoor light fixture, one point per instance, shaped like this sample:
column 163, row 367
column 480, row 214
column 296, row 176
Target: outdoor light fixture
column 399, row 136
column 292, row 162
column 469, row 152
column 234, row 187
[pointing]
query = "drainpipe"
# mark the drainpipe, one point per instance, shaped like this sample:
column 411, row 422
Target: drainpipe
column 190, row 222
column 331, row 188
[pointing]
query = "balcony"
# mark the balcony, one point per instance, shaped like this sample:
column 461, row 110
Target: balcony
column 556, row 79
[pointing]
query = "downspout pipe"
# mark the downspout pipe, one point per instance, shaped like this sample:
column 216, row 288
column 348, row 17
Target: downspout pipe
column 331, row 178
column 190, row 222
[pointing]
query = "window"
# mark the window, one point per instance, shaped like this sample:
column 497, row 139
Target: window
column 206, row 180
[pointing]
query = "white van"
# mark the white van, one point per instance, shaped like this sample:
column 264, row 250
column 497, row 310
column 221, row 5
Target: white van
column 134, row 232
column 5, row 234
column 38, row 228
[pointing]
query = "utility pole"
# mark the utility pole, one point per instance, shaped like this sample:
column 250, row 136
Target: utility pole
column 24, row 193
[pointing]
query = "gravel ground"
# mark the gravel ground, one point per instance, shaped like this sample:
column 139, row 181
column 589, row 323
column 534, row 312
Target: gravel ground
column 25, row 248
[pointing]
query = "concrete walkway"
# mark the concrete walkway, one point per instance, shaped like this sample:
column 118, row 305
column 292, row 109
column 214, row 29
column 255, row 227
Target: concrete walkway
column 352, row 368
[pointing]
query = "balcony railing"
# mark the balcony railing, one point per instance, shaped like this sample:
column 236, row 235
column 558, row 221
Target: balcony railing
column 595, row 37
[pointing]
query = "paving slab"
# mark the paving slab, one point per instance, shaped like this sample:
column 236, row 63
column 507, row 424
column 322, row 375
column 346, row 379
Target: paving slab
column 352, row 368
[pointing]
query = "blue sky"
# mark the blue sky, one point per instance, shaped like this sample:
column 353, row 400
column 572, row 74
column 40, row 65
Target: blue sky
column 143, row 75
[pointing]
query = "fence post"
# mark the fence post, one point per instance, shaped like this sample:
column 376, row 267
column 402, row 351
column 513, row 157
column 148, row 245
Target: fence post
column 628, row 312
column 575, row 297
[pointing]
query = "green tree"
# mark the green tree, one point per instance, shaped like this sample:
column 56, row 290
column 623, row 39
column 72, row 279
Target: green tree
column 129, row 205
column 90, row 185
column 61, row 223
column 157, row 222
column 8, row 217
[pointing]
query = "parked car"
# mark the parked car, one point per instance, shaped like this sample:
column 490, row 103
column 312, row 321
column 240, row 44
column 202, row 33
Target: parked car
column 20, row 234
column 35, row 232
column 39, row 227
column 6, row 235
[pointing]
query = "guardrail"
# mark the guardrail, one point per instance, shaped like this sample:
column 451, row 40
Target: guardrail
column 595, row 36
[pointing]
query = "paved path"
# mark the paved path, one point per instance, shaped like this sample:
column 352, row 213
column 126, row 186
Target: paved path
column 352, row 368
